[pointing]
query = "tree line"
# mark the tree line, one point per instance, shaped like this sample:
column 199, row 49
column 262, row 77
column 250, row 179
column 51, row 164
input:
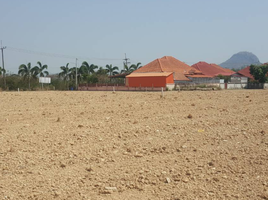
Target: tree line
column 86, row 73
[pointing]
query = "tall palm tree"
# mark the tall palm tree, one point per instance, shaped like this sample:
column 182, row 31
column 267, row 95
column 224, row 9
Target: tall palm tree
column 27, row 72
column 127, row 69
column 80, row 74
column 72, row 73
column 65, row 74
column 135, row 67
column 40, row 69
column 112, row 70
column 88, row 69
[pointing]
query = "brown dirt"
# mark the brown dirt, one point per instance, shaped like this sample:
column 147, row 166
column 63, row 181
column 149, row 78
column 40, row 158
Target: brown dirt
column 127, row 145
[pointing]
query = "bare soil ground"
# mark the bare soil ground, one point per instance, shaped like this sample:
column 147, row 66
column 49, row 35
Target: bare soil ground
column 134, row 145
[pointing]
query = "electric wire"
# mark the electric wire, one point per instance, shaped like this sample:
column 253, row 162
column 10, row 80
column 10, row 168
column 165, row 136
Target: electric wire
column 57, row 55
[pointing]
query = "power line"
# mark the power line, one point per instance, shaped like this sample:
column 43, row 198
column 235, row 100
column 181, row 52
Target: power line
column 56, row 55
column 126, row 60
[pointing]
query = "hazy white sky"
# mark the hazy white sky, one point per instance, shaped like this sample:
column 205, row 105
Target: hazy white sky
column 101, row 31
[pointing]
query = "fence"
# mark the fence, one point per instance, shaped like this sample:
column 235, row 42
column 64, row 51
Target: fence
column 107, row 87
column 194, row 86
column 255, row 85
column 233, row 85
column 205, row 80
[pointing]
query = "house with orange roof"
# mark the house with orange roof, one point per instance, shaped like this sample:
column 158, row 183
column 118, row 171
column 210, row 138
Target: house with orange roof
column 182, row 73
column 212, row 69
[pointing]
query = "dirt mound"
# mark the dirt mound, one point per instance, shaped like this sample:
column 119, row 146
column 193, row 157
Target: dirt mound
column 127, row 145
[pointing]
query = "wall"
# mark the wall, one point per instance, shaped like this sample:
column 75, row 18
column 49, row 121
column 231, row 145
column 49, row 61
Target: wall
column 154, row 81
column 234, row 86
column 265, row 85
column 170, row 86
column 147, row 81
column 170, row 79
column 222, row 85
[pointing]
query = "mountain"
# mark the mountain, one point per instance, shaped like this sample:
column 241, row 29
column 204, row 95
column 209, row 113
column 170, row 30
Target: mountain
column 240, row 60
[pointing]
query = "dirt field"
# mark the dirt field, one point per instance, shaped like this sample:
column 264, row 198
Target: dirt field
column 127, row 145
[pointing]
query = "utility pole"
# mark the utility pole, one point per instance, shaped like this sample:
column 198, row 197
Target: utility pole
column 3, row 63
column 76, row 74
column 126, row 60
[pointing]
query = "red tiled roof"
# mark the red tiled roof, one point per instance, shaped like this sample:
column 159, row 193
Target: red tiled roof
column 199, row 76
column 169, row 64
column 180, row 77
column 212, row 69
column 246, row 72
column 224, row 69
column 149, row 74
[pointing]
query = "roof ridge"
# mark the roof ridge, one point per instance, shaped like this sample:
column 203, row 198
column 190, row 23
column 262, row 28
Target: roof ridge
column 197, row 66
column 160, row 64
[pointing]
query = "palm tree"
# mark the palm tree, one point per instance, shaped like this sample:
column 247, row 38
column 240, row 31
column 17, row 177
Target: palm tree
column 112, row 70
column 72, row 73
column 27, row 72
column 135, row 67
column 40, row 69
column 65, row 72
column 88, row 69
column 81, row 73
column 127, row 69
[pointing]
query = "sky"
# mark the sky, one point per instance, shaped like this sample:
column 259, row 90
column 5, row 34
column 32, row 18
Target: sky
column 55, row 32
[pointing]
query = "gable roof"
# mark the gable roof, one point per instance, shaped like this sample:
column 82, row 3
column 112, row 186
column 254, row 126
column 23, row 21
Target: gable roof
column 212, row 69
column 246, row 72
column 169, row 64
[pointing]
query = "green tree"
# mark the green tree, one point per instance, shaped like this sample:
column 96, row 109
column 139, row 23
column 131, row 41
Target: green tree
column 27, row 72
column 102, row 71
column 92, row 78
column 65, row 72
column 259, row 72
column 73, row 74
column 127, row 69
column 40, row 69
column 88, row 69
column 81, row 74
column 135, row 67
column 112, row 70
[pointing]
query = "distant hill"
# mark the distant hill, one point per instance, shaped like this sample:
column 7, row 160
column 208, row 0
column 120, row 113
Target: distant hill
column 240, row 60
